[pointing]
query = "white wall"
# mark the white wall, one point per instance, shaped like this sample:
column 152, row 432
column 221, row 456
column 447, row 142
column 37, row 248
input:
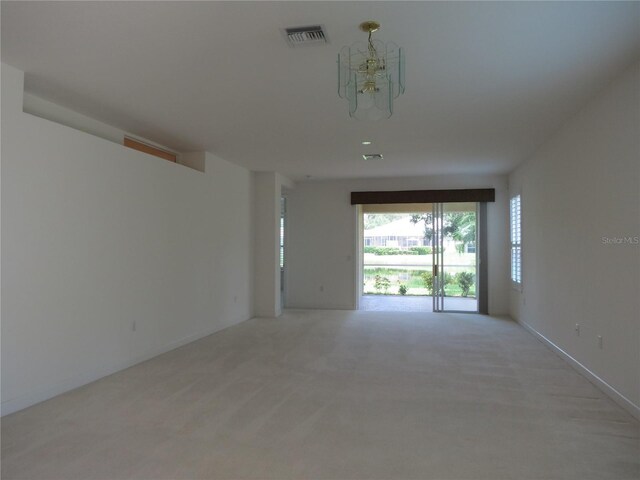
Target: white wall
column 581, row 186
column 321, row 246
column 52, row 111
column 96, row 236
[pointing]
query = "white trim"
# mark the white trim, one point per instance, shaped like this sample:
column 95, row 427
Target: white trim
column 284, row 240
column 40, row 395
column 607, row 389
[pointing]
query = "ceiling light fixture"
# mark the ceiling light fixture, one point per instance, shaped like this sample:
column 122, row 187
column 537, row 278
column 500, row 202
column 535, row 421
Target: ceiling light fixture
column 366, row 142
column 371, row 76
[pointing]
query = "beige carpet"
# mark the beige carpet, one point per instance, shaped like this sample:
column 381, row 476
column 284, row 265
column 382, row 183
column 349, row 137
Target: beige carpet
column 334, row 395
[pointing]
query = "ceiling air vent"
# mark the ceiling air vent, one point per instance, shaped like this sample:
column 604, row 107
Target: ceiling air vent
column 372, row 156
column 305, row 36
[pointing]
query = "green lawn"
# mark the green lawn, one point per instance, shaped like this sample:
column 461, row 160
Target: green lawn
column 412, row 279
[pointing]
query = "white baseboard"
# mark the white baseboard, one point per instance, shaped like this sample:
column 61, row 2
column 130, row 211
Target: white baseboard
column 40, row 395
column 607, row 389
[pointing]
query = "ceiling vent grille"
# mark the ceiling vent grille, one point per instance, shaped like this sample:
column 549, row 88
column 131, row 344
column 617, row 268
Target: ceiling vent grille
column 306, row 36
column 372, row 156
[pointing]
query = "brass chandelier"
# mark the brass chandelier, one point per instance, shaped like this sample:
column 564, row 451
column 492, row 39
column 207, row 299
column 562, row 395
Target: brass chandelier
column 371, row 76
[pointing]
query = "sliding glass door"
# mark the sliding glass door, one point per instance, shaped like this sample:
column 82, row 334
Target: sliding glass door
column 455, row 257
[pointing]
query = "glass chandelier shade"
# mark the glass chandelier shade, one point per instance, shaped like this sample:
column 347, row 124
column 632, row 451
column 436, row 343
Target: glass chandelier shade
column 371, row 76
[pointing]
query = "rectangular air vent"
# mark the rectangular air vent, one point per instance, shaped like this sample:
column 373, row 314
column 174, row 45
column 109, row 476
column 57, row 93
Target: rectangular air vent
column 305, row 36
column 372, row 156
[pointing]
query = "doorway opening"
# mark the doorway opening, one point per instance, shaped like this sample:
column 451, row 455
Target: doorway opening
column 419, row 257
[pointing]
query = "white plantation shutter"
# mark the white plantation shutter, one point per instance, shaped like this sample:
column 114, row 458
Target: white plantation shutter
column 516, row 240
column 281, row 242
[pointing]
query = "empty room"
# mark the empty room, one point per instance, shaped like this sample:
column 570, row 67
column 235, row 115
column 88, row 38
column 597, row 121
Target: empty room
column 320, row 240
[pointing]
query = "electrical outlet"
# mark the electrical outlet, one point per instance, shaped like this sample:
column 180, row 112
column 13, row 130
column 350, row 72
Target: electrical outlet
column 577, row 329
column 322, row 288
column 600, row 342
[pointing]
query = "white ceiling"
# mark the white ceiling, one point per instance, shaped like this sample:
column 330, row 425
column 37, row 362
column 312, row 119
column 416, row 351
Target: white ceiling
column 486, row 82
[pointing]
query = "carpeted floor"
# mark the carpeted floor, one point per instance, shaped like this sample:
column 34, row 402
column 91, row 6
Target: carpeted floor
column 334, row 395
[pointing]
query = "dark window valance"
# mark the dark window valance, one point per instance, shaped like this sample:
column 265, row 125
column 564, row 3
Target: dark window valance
column 424, row 196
